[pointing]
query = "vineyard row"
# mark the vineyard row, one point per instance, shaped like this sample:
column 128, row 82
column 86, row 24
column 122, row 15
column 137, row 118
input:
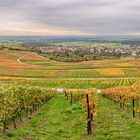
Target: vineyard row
column 18, row 101
column 126, row 98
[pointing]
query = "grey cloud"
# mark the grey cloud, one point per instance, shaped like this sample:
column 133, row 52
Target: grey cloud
column 90, row 16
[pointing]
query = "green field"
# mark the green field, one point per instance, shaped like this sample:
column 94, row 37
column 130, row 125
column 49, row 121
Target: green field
column 88, row 44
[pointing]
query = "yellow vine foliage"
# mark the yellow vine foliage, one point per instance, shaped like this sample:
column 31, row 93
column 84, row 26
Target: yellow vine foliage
column 123, row 94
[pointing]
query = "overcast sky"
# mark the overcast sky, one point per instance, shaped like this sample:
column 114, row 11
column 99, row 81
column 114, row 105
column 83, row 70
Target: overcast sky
column 69, row 17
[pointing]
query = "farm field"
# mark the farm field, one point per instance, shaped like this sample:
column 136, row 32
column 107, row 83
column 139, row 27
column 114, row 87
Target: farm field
column 30, row 65
column 84, row 83
column 58, row 118
column 30, row 68
column 85, row 44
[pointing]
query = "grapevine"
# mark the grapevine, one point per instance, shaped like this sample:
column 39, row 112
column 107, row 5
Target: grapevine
column 128, row 97
column 14, row 99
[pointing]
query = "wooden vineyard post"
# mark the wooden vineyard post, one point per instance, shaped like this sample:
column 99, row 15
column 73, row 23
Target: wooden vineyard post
column 133, row 105
column 66, row 95
column 120, row 102
column 91, row 117
column 4, row 125
column 88, row 116
column 20, row 115
column 14, row 123
column 71, row 98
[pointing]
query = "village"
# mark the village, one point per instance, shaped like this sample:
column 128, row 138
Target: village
column 97, row 49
